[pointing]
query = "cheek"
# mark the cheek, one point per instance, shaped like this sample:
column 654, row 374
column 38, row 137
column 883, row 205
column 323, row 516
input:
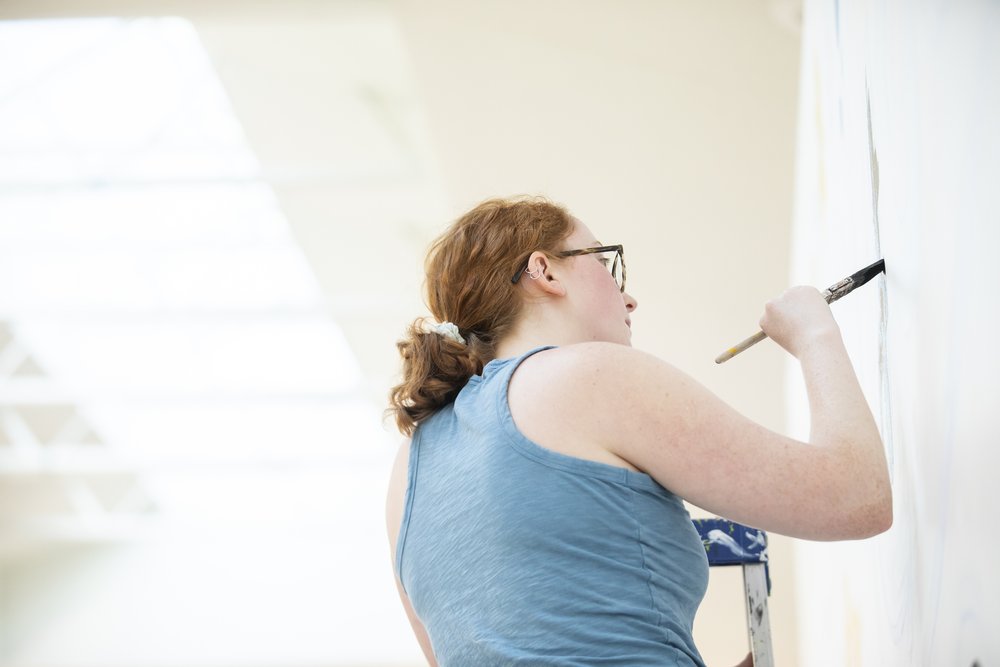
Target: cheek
column 602, row 281
column 606, row 292
column 613, row 291
column 611, row 304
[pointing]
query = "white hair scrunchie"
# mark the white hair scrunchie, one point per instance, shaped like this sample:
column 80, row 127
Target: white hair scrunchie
column 448, row 330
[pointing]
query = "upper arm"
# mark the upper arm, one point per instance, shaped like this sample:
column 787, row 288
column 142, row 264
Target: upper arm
column 395, row 500
column 693, row 443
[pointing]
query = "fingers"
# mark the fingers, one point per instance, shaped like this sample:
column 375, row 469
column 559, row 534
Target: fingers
column 796, row 317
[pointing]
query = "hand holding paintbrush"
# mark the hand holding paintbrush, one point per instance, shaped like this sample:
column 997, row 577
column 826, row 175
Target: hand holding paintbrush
column 830, row 294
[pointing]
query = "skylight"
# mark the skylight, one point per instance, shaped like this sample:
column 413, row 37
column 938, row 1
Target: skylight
column 148, row 271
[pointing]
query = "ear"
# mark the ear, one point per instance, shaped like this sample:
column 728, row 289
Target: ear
column 548, row 281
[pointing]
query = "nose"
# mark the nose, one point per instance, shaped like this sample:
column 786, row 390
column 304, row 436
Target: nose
column 630, row 302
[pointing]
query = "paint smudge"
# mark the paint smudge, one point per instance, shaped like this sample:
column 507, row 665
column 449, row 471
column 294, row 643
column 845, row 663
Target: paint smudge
column 885, row 387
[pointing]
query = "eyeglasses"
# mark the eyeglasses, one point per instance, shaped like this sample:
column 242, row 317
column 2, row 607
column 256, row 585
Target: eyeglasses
column 615, row 265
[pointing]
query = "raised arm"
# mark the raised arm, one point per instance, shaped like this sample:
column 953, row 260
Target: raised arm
column 840, row 418
column 663, row 422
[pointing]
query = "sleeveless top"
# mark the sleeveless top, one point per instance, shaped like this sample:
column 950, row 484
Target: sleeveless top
column 513, row 554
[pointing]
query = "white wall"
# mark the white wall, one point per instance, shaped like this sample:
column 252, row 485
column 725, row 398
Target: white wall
column 899, row 157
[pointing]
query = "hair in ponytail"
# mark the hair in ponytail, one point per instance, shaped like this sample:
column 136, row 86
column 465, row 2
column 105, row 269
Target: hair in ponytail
column 468, row 274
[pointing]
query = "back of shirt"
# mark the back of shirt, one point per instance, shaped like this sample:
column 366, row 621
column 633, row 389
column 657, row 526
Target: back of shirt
column 513, row 554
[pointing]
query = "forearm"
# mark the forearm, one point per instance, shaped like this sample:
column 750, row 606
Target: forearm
column 841, row 420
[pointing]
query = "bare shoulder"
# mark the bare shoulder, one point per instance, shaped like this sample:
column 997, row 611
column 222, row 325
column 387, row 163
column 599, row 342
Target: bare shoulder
column 557, row 399
column 587, row 375
column 600, row 392
column 573, row 363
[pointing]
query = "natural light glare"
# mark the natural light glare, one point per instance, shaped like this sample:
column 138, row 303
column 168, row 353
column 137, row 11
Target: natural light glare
column 145, row 104
column 169, row 294
column 211, row 429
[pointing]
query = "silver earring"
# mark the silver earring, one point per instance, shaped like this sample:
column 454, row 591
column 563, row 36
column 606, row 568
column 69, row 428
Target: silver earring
column 535, row 275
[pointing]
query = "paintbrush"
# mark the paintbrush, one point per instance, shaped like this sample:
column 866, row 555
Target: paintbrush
column 831, row 294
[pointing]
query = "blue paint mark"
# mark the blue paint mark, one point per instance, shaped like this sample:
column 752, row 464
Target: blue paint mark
column 836, row 21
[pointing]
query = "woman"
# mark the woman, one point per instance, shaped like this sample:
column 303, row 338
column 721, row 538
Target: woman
column 535, row 517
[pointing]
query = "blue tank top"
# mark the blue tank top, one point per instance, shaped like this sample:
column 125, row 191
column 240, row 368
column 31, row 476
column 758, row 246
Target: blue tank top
column 513, row 554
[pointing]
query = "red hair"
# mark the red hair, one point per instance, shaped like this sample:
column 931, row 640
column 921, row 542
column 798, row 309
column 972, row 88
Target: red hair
column 468, row 282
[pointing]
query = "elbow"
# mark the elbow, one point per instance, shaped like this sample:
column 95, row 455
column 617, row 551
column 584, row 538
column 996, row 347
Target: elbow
column 876, row 516
column 860, row 516
column 884, row 507
column 852, row 522
column 873, row 505
column 885, row 513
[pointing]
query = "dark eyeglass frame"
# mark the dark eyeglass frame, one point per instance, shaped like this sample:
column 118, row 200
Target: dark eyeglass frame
column 619, row 257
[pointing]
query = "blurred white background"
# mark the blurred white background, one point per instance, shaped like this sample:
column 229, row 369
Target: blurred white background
column 213, row 217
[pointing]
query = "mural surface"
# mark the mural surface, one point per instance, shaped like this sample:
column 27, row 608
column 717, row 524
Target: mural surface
column 899, row 157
